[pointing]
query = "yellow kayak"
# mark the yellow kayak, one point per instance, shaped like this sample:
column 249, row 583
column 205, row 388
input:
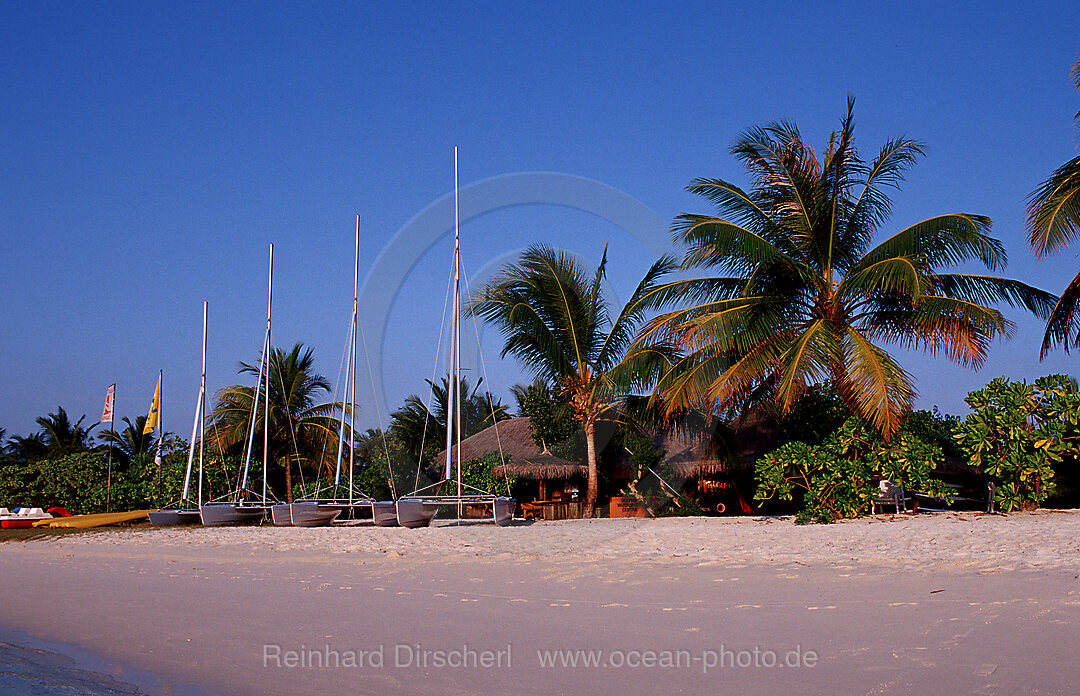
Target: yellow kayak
column 98, row 520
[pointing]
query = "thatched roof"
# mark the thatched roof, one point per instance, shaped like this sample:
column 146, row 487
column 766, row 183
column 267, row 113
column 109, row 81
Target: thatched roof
column 733, row 446
column 542, row 466
column 525, row 458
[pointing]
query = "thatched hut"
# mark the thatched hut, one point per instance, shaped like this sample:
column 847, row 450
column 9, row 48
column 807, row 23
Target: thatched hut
column 730, row 448
column 525, row 459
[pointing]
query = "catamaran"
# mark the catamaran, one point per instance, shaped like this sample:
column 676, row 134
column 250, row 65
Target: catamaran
column 183, row 513
column 419, row 508
column 318, row 511
column 238, row 509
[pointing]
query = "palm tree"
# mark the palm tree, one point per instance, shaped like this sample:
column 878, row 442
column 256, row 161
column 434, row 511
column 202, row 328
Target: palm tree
column 416, row 428
column 555, row 320
column 22, row 450
column 301, row 431
column 1053, row 223
column 130, row 441
column 61, row 436
column 808, row 300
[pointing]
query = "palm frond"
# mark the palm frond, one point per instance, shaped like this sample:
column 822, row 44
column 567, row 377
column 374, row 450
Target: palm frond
column 1054, row 210
column 1064, row 320
column 874, row 386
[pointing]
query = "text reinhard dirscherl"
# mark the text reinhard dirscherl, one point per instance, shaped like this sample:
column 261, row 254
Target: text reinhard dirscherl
column 414, row 655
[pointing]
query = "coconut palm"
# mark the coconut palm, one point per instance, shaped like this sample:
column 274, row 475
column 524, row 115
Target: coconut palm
column 301, row 431
column 556, row 322
column 416, row 427
column 61, row 436
column 30, row 448
column 808, row 300
column 1053, row 223
column 130, row 441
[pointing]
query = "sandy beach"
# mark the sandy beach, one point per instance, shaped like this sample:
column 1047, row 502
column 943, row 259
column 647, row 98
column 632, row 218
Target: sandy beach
column 944, row 603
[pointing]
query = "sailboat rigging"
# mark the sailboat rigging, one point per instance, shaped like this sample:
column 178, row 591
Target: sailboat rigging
column 419, row 508
column 239, row 509
column 182, row 514
column 322, row 511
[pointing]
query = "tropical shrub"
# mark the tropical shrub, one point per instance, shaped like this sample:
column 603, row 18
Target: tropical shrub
column 1018, row 433
column 478, row 474
column 836, row 479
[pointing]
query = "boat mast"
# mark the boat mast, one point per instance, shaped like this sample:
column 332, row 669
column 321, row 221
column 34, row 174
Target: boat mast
column 195, row 424
column 266, row 397
column 457, row 328
column 453, row 367
column 202, row 404
column 352, row 359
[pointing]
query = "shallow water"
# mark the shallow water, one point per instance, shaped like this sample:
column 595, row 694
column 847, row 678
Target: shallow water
column 28, row 671
column 32, row 667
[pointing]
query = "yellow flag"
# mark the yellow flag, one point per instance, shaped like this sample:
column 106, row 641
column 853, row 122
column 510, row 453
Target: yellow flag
column 152, row 417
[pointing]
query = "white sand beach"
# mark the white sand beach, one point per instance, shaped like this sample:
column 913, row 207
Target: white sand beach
column 943, row 603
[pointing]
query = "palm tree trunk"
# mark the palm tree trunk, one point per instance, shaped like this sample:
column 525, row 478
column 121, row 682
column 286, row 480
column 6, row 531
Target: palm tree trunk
column 590, row 449
column 288, row 480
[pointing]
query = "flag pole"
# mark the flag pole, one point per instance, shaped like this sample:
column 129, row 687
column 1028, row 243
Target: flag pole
column 112, row 442
column 160, row 426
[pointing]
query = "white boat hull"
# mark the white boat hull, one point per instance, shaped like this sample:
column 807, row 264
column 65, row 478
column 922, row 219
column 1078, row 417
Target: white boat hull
column 281, row 515
column 503, row 511
column 310, row 514
column 384, row 513
column 173, row 518
column 225, row 514
column 413, row 513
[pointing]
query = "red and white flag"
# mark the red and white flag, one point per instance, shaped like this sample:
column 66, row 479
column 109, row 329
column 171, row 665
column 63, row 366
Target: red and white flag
column 107, row 413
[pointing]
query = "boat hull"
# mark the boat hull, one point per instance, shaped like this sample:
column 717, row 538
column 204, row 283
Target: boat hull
column 281, row 515
column 503, row 511
column 24, row 518
column 173, row 518
column 384, row 513
column 415, row 513
column 313, row 514
column 230, row 514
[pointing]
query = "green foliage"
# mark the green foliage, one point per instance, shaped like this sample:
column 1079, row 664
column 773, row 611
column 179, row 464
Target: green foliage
column 650, row 485
column 552, row 420
column 1018, row 432
column 935, row 428
column 79, row 482
column 478, row 473
column 818, row 413
column 836, row 479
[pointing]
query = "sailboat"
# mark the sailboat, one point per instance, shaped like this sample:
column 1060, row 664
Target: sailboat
column 169, row 517
column 238, row 510
column 322, row 511
column 419, row 508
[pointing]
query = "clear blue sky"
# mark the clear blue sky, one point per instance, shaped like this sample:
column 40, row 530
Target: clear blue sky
column 152, row 150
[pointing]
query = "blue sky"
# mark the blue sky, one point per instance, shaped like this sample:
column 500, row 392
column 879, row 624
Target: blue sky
column 151, row 151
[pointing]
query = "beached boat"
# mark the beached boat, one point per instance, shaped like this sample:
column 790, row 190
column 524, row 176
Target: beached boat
column 315, row 510
column 244, row 505
column 419, row 508
column 384, row 513
column 22, row 518
column 187, row 510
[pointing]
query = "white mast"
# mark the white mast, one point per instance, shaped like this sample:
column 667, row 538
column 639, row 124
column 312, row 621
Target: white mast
column 352, row 359
column 457, row 329
column 455, row 339
column 266, row 400
column 202, row 404
column 195, row 429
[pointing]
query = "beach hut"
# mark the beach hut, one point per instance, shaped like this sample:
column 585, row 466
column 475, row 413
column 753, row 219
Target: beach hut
column 557, row 479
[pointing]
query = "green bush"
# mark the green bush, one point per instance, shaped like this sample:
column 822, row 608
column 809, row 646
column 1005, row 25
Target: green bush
column 837, row 478
column 1019, row 432
column 79, row 482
